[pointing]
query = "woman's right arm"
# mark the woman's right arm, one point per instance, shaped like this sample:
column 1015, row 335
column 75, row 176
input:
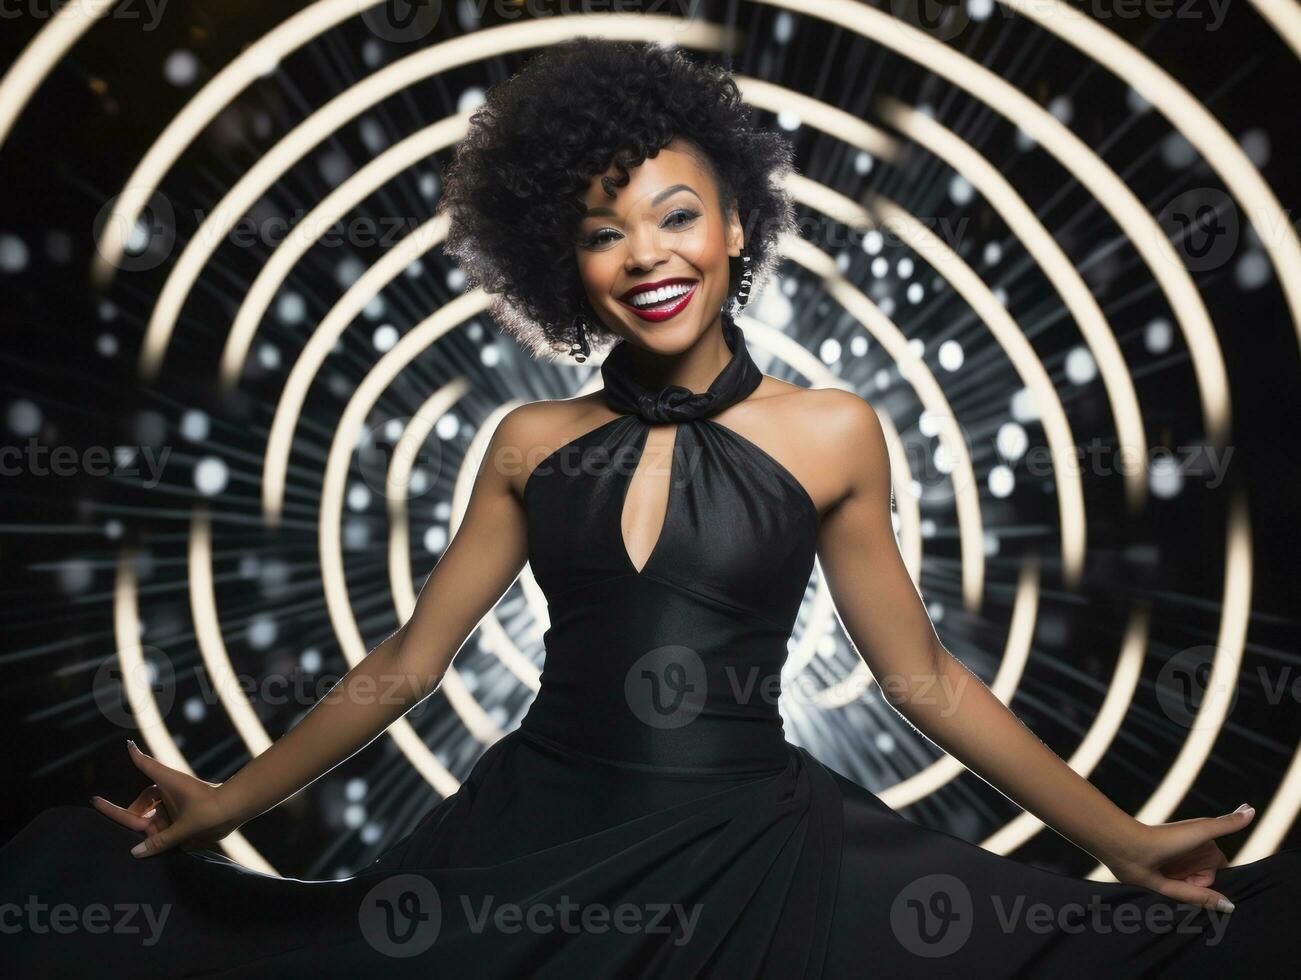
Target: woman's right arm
column 483, row 558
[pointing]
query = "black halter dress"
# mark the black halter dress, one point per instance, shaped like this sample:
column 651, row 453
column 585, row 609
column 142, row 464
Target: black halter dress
column 648, row 817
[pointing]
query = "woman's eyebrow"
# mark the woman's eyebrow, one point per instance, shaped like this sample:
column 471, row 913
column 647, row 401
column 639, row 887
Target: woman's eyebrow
column 609, row 213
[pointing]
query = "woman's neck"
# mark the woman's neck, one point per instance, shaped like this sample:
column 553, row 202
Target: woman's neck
column 694, row 368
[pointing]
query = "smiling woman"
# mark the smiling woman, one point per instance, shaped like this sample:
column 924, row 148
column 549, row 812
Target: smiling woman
column 661, row 251
column 649, row 817
column 540, row 192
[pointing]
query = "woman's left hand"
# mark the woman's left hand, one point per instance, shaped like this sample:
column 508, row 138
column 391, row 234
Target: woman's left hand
column 177, row 810
column 1180, row 859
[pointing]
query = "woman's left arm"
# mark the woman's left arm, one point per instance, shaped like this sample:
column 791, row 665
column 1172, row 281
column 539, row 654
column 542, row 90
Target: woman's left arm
column 887, row 622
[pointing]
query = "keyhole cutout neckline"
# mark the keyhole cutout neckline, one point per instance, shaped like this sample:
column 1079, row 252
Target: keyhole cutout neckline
column 660, row 492
column 630, row 399
column 625, row 393
column 806, row 501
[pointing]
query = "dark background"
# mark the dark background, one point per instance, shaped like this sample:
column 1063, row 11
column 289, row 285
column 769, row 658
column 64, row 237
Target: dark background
column 70, row 350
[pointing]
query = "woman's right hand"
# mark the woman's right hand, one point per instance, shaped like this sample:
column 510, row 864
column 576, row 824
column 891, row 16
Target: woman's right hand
column 177, row 810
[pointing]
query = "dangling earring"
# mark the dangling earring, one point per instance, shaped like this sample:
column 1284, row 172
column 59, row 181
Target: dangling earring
column 580, row 350
column 747, row 280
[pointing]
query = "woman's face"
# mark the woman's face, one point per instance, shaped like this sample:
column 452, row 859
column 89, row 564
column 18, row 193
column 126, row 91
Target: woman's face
column 663, row 227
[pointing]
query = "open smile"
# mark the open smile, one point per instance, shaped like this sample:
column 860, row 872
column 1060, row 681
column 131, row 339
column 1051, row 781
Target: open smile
column 661, row 302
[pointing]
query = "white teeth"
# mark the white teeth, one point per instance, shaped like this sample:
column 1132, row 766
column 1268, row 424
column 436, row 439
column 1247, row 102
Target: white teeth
column 657, row 296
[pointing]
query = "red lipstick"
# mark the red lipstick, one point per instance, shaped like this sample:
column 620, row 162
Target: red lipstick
column 656, row 314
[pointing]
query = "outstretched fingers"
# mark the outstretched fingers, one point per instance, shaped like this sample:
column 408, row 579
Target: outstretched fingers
column 1231, row 823
column 137, row 816
column 156, row 843
column 1190, row 894
column 148, row 813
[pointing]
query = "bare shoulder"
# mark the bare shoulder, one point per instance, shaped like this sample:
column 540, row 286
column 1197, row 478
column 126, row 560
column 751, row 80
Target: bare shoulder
column 532, row 431
column 554, row 414
column 830, row 439
column 828, row 418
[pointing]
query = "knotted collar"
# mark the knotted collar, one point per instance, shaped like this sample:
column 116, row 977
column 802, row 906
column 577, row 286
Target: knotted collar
column 674, row 403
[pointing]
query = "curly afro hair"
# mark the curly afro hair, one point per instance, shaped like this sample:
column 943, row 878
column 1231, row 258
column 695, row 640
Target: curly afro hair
column 514, row 193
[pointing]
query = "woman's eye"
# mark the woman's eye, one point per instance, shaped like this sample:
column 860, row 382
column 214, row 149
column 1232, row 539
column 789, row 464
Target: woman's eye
column 677, row 218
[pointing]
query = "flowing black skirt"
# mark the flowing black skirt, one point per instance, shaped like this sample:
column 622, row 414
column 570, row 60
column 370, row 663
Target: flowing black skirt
column 551, row 863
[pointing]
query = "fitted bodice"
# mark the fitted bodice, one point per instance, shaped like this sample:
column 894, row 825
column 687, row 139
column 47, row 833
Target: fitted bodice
column 677, row 664
column 739, row 529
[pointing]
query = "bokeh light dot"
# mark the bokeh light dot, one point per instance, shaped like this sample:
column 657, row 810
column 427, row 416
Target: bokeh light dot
column 24, row 417
column 1001, row 481
column 354, row 815
column 1011, row 441
column 448, row 426
column 262, row 631
column 291, row 308
column 960, row 190
column 358, row 497
column 1165, row 477
column 1023, row 407
column 14, row 254
column 1158, row 336
column 435, row 539
column 210, row 476
column 1253, row 270
column 181, row 68
column 194, row 425
column 1080, row 366
column 951, row 355
column 268, row 356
